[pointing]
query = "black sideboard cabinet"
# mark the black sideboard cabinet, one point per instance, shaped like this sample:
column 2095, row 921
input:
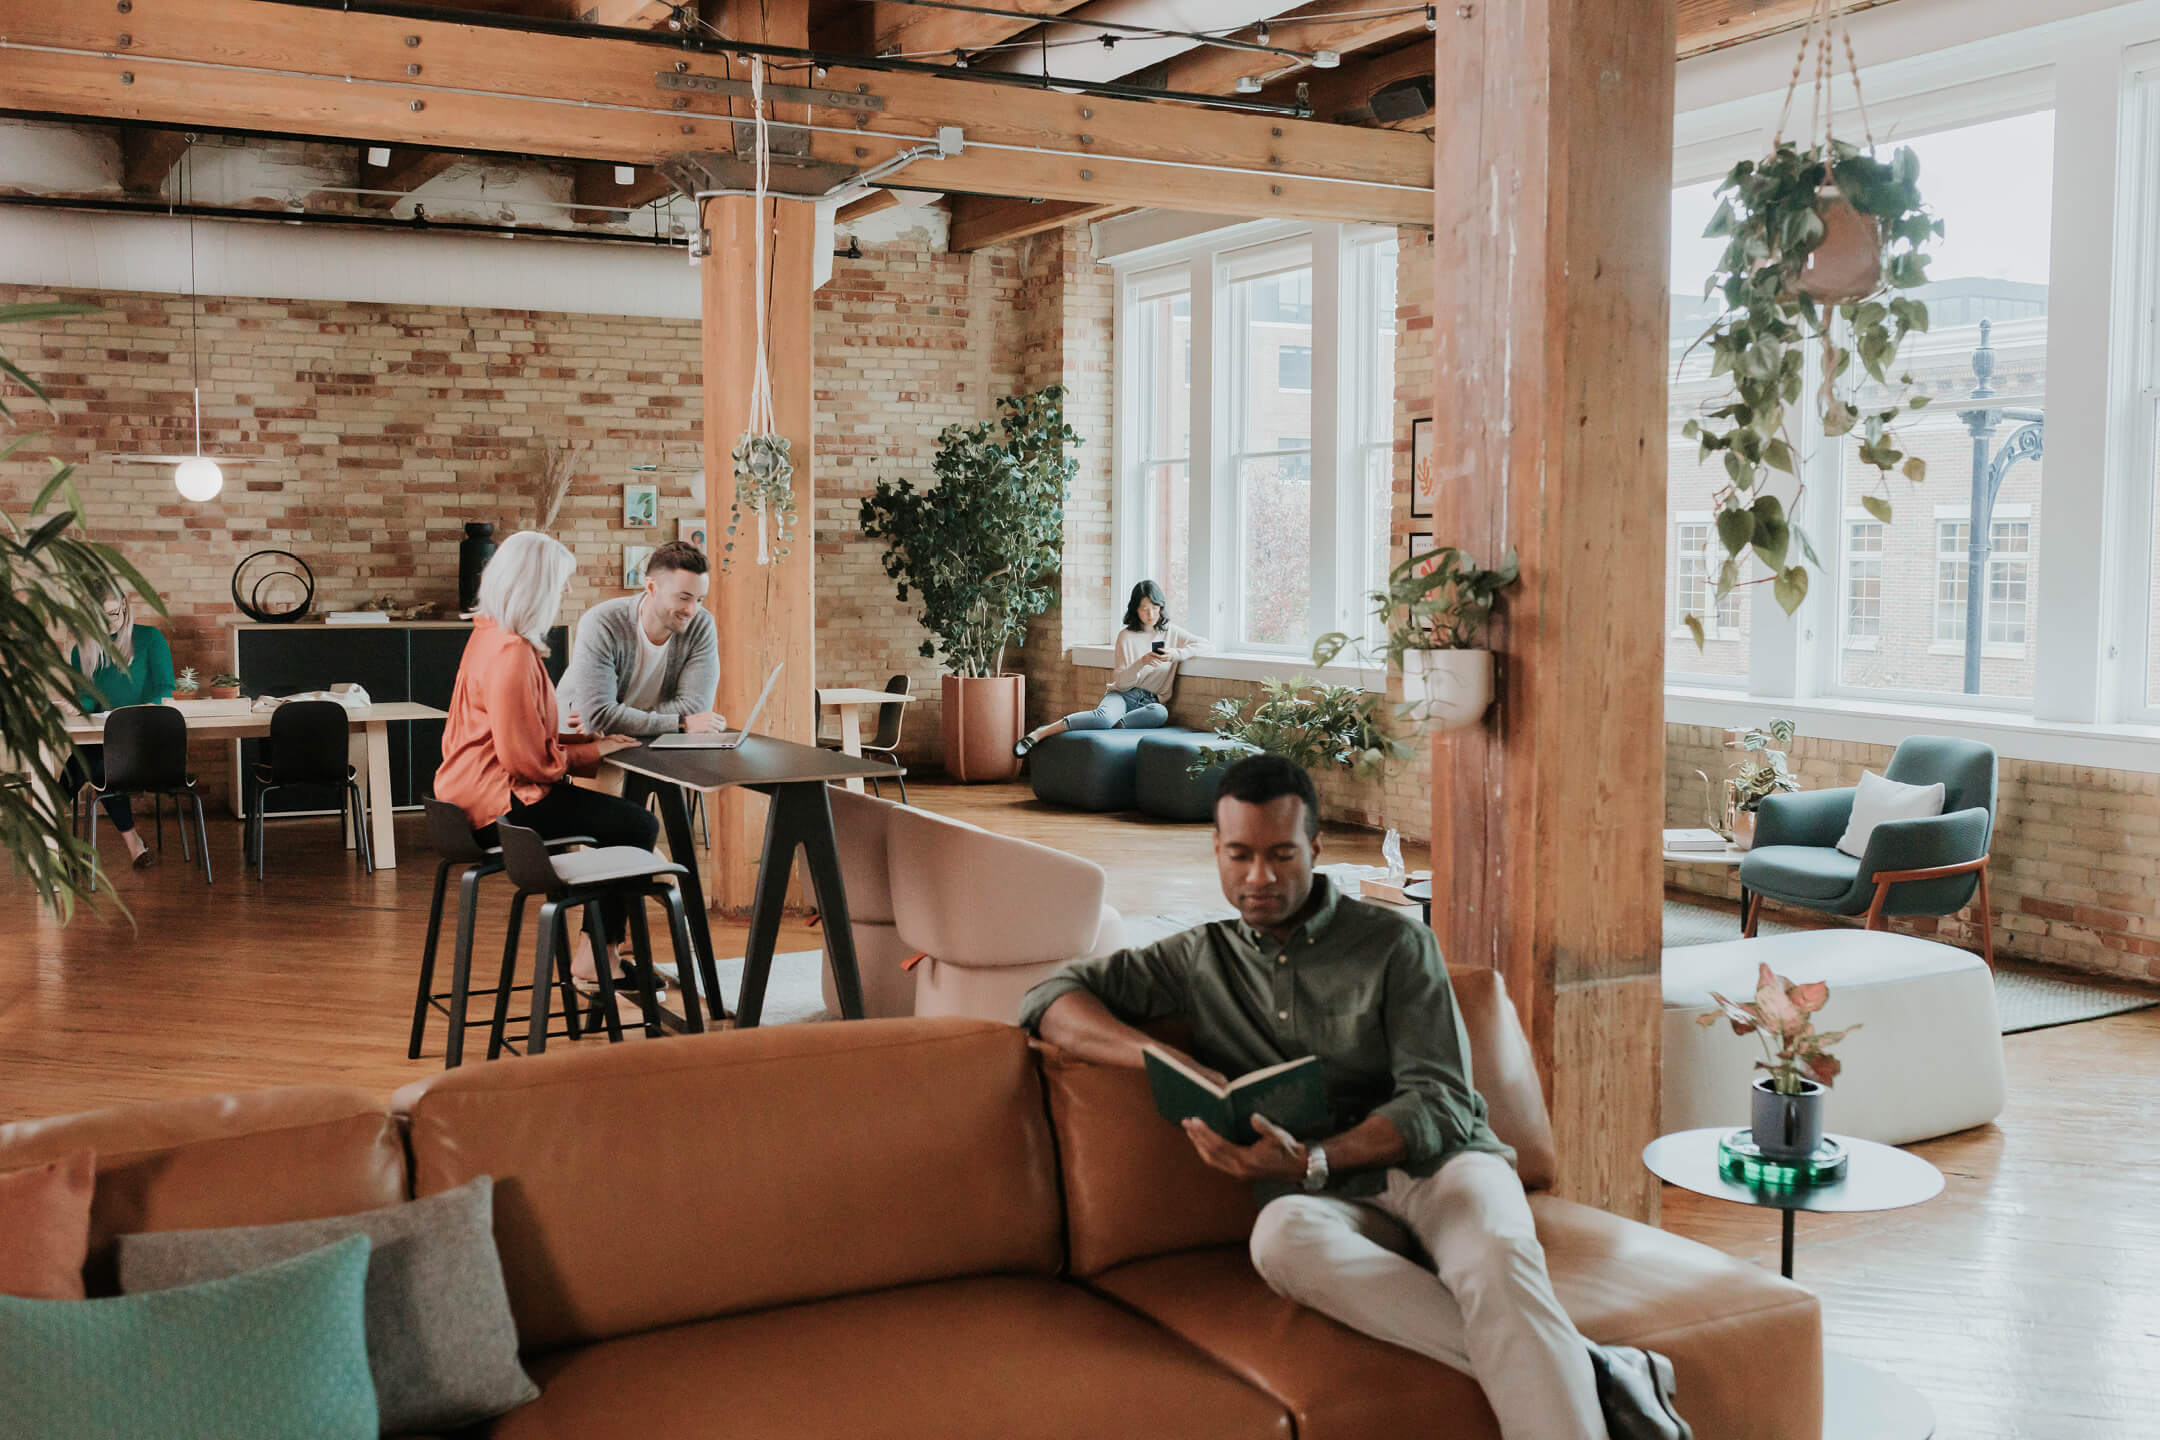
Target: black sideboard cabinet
column 415, row 660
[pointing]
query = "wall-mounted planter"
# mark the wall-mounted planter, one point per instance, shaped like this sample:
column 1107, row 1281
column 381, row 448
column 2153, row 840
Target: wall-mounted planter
column 1448, row 689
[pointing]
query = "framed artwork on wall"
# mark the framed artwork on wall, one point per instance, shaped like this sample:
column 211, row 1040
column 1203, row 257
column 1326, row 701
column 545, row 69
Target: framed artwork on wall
column 641, row 506
column 633, row 565
column 1421, row 471
column 691, row 531
column 1421, row 541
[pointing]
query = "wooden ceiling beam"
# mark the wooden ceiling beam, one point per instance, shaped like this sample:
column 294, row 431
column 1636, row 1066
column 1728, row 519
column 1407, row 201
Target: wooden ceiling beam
column 631, row 14
column 251, row 65
column 924, row 30
column 980, row 220
column 1344, row 96
column 593, row 184
column 1344, row 26
column 147, row 157
column 857, row 211
column 408, row 170
column 1706, row 25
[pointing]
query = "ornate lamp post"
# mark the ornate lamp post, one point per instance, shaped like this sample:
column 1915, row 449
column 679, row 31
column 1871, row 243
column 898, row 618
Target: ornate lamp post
column 1989, row 466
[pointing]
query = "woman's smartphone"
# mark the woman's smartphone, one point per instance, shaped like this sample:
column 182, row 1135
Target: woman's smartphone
column 1157, row 647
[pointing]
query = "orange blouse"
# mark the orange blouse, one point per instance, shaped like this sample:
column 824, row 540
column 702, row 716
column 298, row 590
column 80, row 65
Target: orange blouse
column 500, row 738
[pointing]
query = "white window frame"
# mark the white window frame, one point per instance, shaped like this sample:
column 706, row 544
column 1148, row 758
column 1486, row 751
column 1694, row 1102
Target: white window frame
column 2002, row 515
column 1846, row 639
column 1339, row 514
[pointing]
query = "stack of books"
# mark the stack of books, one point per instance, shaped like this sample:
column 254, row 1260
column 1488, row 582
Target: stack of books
column 1707, row 840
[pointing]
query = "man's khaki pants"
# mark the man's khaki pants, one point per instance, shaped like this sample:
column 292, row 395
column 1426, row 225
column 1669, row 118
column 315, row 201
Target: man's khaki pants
column 1485, row 1305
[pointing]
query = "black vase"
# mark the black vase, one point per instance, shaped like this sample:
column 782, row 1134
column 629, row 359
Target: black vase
column 473, row 554
column 1787, row 1128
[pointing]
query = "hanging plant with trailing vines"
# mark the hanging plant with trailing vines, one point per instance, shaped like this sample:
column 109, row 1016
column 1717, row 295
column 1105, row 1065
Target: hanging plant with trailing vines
column 1775, row 215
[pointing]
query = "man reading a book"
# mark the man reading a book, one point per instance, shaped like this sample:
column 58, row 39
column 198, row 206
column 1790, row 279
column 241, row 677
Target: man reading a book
column 1405, row 1167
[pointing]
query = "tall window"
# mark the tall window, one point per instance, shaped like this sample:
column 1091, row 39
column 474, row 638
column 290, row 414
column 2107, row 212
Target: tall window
column 1983, row 364
column 1371, row 301
column 1270, row 310
column 1863, row 582
column 1161, row 352
column 1691, row 487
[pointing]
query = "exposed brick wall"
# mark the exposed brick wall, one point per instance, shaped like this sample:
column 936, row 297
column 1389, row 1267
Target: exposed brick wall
column 384, row 428
column 2075, row 866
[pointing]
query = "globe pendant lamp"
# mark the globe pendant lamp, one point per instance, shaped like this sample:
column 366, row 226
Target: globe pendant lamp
column 198, row 478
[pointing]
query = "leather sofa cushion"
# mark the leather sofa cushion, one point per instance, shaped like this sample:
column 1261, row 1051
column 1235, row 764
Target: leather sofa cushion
column 1735, row 1333
column 211, row 1161
column 643, row 1185
column 1134, row 1187
column 978, row 1359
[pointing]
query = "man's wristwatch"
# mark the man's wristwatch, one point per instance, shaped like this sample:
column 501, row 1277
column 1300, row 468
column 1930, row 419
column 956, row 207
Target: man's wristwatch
column 1315, row 1169
column 682, row 724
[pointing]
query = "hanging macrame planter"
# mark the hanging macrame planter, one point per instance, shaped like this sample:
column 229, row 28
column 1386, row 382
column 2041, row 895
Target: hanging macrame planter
column 764, row 471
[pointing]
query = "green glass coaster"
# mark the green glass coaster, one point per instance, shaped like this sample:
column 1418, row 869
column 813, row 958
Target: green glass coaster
column 1741, row 1161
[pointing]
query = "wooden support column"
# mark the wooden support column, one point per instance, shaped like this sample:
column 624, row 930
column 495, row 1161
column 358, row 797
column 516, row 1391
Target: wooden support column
column 1552, row 218
column 764, row 613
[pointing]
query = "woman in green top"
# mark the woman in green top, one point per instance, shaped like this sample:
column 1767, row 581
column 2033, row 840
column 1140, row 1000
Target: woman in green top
column 133, row 667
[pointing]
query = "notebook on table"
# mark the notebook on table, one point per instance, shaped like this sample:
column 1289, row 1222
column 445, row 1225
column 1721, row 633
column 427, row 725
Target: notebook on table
column 723, row 739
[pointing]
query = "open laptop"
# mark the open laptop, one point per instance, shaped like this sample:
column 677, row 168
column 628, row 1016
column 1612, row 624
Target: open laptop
column 724, row 739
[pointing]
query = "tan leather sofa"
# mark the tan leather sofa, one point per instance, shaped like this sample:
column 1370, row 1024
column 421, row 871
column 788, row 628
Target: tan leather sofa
column 918, row 1228
column 990, row 914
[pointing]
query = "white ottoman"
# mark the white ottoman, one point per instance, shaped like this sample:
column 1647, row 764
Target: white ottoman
column 1927, row 1061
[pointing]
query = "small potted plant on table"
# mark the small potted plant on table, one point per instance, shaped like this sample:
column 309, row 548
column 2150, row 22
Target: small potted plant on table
column 185, row 686
column 224, row 686
column 1786, row 1103
column 1759, row 773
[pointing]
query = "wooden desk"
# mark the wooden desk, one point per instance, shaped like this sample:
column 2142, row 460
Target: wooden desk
column 851, row 702
column 800, row 816
column 370, row 746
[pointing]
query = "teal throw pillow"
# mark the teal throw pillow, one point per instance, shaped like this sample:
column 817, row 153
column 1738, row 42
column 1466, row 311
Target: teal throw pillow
column 279, row 1353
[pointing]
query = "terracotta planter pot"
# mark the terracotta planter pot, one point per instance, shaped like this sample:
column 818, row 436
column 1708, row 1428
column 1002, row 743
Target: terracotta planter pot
column 1848, row 264
column 221, row 692
column 1449, row 688
column 984, row 717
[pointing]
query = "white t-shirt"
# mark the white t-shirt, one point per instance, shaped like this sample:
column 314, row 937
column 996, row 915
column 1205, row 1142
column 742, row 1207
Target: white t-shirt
column 642, row 691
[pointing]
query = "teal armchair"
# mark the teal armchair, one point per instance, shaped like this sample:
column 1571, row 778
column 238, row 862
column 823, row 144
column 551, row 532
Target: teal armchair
column 1931, row 866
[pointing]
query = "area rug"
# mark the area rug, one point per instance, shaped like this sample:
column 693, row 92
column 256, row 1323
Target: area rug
column 2026, row 997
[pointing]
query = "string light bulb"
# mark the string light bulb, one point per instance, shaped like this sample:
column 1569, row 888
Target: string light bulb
column 1248, row 85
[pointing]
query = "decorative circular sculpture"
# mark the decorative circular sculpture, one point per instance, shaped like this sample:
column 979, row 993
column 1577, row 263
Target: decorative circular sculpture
column 271, row 592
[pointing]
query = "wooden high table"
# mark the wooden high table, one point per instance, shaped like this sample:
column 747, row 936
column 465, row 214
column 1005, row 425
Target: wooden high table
column 851, row 701
column 371, row 744
column 795, row 777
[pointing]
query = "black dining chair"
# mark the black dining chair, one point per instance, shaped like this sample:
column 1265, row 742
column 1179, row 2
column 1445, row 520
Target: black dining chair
column 146, row 754
column 310, row 744
column 583, row 881
column 886, row 742
column 454, row 838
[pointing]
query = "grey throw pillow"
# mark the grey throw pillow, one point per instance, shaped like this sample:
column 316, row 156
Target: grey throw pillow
column 442, row 1347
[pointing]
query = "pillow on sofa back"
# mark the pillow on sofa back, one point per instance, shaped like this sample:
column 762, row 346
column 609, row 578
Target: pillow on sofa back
column 279, row 1353
column 441, row 1344
column 1876, row 800
column 45, row 1227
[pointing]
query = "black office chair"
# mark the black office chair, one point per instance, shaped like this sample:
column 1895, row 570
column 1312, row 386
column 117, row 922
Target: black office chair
column 582, row 881
column 309, row 745
column 453, row 836
column 146, row 754
column 886, row 742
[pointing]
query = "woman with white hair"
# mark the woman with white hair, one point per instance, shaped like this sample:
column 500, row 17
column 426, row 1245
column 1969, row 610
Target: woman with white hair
column 132, row 666
column 501, row 756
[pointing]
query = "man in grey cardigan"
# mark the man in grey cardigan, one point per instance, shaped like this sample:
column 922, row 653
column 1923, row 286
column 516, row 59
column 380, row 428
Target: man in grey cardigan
column 649, row 663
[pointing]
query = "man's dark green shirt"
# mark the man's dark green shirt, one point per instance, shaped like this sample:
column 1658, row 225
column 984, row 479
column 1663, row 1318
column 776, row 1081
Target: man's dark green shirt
column 1355, row 984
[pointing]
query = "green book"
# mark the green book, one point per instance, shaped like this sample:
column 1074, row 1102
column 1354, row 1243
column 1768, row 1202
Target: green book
column 1291, row 1094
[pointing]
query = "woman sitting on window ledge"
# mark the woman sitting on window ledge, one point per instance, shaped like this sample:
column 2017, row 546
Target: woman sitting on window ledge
column 1146, row 655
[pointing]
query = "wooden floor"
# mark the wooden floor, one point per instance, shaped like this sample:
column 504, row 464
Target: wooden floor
column 2024, row 1302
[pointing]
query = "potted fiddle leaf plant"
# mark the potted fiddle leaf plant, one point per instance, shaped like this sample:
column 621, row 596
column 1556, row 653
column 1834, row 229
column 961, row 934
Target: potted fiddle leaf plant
column 1436, row 607
column 1824, row 242
column 980, row 548
column 1786, row 1102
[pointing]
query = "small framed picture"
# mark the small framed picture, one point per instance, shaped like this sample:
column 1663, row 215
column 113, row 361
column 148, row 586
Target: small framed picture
column 1421, row 541
column 691, row 531
column 641, row 506
column 1421, row 470
column 633, row 565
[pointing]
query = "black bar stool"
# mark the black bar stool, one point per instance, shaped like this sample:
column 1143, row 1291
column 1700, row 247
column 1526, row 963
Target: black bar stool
column 453, row 836
column 146, row 754
column 309, row 743
column 583, row 881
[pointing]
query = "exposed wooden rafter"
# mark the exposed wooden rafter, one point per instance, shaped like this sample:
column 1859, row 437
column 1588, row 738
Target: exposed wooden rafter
column 925, row 30
column 1344, row 96
column 857, row 211
column 593, row 184
column 1343, row 26
column 1707, row 25
column 254, row 65
column 408, row 170
column 979, row 220
column 147, row 157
